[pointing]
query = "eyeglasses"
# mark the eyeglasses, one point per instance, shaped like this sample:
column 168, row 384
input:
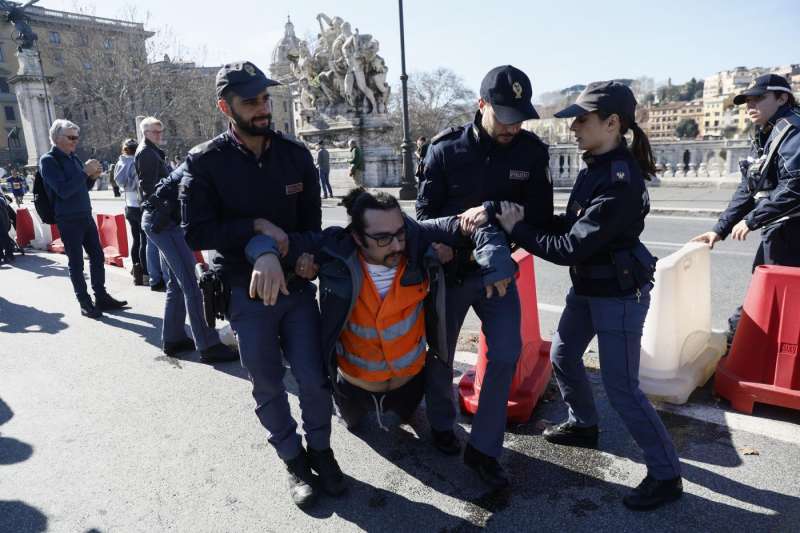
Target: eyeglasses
column 159, row 132
column 385, row 239
column 72, row 137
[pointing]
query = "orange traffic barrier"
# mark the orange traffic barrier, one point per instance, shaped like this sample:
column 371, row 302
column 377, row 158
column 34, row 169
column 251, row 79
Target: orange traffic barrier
column 25, row 231
column 198, row 256
column 113, row 238
column 533, row 368
column 763, row 365
column 55, row 246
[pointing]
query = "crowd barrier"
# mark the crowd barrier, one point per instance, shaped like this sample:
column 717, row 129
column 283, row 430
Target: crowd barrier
column 113, row 234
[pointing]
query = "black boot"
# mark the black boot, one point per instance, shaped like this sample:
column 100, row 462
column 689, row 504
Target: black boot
column 486, row 466
column 330, row 475
column 653, row 493
column 446, row 442
column 218, row 353
column 301, row 480
column 138, row 274
column 105, row 302
column 570, row 434
column 89, row 310
column 174, row 348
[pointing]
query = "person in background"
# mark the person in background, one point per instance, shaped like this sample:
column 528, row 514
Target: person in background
column 324, row 168
column 125, row 177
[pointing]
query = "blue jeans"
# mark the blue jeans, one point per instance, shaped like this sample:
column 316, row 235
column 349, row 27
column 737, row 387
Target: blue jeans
column 183, row 294
column 325, row 182
column 156, row 266
column 618, row 324
column 500, row 322
column 77, row 235
column 267, row 334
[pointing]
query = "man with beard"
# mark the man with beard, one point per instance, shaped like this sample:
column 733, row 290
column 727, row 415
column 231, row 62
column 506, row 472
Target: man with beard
column 473, row 167
column 382, row 298
column 249, row 181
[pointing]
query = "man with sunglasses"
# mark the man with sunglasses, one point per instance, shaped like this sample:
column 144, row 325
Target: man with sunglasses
column 382, row 298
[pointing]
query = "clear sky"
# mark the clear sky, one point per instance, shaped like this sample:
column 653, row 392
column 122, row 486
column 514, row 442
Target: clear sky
column 557, row 43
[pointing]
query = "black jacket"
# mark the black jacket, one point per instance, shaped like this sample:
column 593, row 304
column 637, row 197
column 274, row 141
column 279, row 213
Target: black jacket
column 151, row 167
column 598, row 236
column 226, row 187
column 340, row 272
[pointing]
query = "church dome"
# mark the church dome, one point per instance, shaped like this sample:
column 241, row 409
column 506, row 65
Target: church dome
column 288, row 42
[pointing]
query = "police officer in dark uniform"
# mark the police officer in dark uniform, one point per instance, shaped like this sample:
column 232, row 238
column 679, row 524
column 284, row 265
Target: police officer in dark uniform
column 612, row 274
column 768, row 197
column 249, row 181
column 485, row 161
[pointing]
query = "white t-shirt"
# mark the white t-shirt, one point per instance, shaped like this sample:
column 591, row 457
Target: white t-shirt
column 382, row 277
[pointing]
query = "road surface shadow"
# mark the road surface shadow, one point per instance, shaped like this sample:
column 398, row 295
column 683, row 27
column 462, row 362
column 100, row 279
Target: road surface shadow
column 18, row 318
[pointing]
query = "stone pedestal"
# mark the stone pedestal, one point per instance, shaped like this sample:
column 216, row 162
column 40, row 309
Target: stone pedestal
column 28, row 86
column 382, row 165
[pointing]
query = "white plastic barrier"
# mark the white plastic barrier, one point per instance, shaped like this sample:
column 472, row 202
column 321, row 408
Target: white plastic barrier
column 42, row 235
column 679, row 350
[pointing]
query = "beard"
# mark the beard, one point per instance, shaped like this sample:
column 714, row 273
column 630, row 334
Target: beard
column 392, row 260
column 249, row 127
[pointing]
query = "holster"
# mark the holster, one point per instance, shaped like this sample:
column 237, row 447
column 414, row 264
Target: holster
column 215, row 292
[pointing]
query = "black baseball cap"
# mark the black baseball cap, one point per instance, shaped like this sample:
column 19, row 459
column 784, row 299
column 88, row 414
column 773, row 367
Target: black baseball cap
column 509, row 92
column 243, row 78
column 762, row 85
column 607, row 96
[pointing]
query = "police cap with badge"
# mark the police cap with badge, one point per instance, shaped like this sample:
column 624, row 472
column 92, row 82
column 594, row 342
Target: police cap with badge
column 242, row 78
column 762, row 85
column 509, row 91
column 609, row 97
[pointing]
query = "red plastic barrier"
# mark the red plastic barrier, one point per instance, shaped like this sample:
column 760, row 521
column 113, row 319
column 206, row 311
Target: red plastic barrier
column 533, row 368
column 198, row 255
column 113, row 238
column 55, row 246
column 763, row 365
column 25, row 232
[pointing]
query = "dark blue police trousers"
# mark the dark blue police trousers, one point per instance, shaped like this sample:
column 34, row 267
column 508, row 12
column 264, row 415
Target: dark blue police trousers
column 618, row 324
column 500, row 323
column 268, row 334
column 79, row 235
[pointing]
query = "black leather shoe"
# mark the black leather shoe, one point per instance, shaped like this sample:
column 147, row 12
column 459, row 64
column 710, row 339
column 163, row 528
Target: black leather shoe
column 88, row 309
column 570, row 434
column 446, row 442
column 330, row 475
column 486, row 466
column 138, row 275
column 159, row 287
column 219, row 353
column 653, row 493
column 301, row 481
column 106, row 302
column 174, row 348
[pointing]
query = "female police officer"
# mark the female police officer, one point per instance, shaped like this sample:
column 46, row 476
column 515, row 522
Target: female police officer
column 611, row 271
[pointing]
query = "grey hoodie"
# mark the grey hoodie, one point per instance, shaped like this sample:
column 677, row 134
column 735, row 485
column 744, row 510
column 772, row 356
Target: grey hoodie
column 125, row 176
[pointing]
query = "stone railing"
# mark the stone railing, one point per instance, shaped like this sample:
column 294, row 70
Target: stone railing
column 718, row 159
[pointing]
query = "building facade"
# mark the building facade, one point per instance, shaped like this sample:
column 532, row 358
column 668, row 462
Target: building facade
column 663, row 119
column 280, row 69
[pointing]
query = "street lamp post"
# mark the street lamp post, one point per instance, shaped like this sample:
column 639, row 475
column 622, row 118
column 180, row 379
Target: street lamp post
column 408, row 191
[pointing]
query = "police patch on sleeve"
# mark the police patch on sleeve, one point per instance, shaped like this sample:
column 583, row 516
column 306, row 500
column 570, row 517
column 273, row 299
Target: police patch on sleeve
column 620, row 171
column 294, row 188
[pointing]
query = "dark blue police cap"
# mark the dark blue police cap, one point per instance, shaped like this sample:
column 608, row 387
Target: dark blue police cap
column 509, row 92
column 243, row 78
column 762, row 85
column 610, row 97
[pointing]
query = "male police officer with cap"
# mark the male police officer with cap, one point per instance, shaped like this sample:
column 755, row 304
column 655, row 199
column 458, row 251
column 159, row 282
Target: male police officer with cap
column 246, row 182
column 768, row 197
column 480, row 164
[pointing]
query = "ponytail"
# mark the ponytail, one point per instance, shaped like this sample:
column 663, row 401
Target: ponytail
column 642, row 152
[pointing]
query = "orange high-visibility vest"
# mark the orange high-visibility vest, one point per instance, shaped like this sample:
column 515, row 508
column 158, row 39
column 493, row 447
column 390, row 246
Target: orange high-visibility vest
column 384, row 338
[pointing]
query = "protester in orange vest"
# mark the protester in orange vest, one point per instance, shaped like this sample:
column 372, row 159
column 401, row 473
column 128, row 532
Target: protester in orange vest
column 382, row 299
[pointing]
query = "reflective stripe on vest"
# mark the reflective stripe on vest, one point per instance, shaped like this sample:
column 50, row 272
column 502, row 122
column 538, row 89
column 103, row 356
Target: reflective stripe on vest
column 385, row 337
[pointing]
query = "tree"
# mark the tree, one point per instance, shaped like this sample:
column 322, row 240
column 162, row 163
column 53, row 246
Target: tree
column 437, row 99
column 687, row 129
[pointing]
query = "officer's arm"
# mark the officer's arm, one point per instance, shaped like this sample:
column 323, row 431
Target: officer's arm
column 604, row 218
column 446, row 230
column 786, row 198
column 310, row 216
column 432, row 186
column 741, row 204
column 539, row 195
column 55, row 177
column 201, row 219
